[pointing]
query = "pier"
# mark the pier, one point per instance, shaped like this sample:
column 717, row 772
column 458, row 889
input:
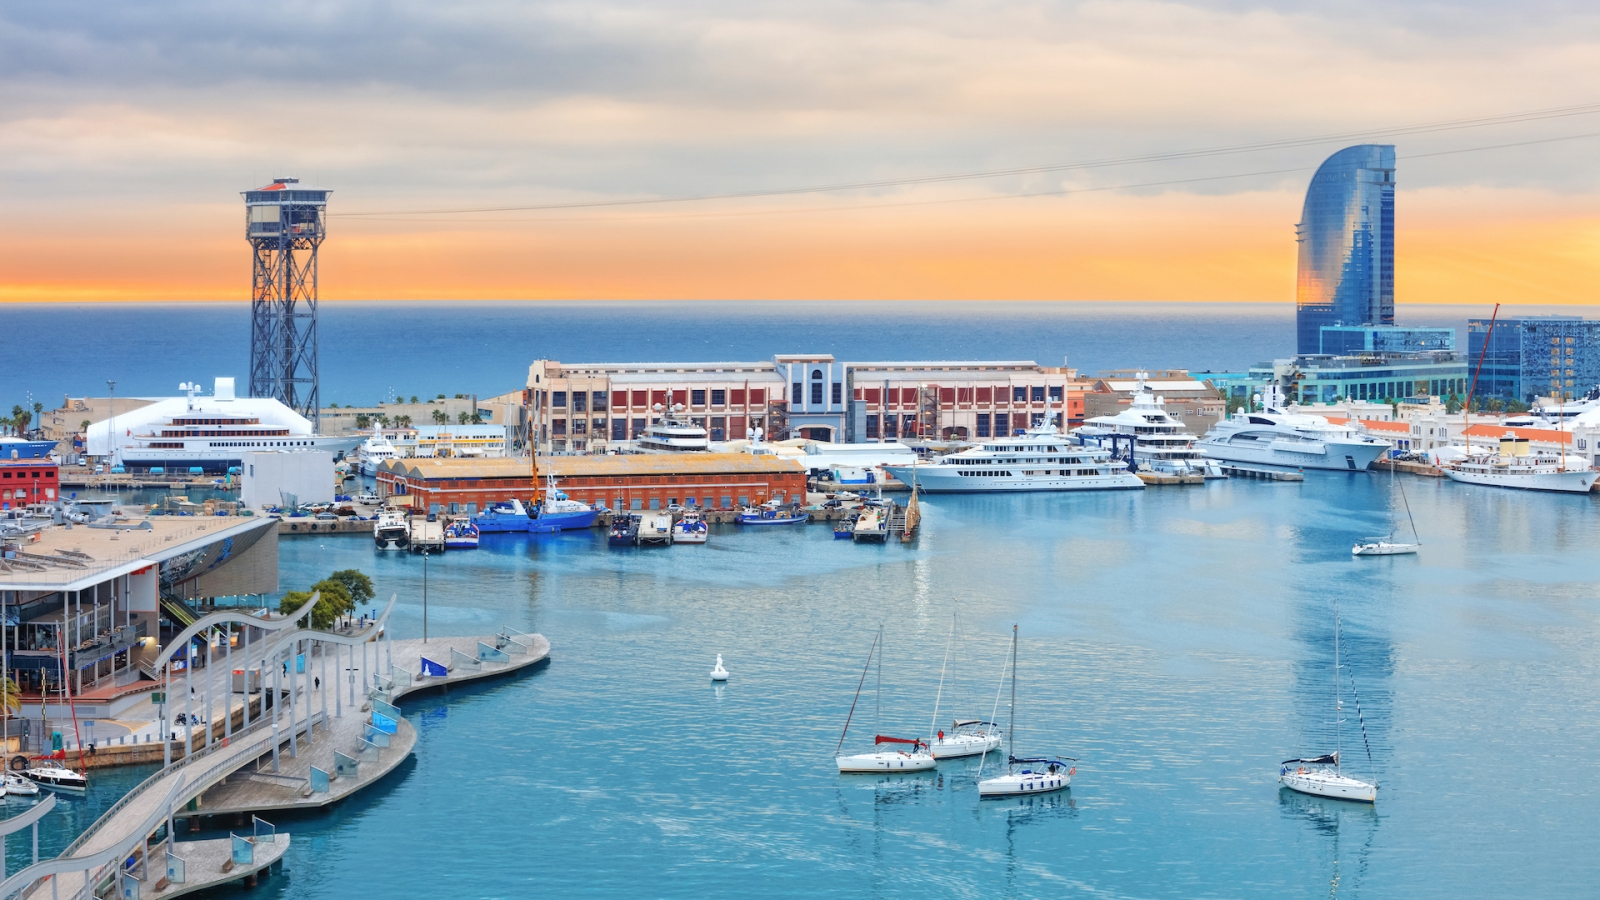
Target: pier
column 1237, row 471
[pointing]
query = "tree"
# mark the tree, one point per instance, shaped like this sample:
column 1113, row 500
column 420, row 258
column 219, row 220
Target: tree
column 440, row 397
column 462, row 418
column 20, row 417
column 84, row 426
column 333, row 406
column 384, row 420
column 1493, row 404
column 413, row 398
column 1516, row 406
column 1452, row 404
column 403, row 421
column 38, row 409
column 440, row 418
column 363, row 423
column 9, row 689
column 335, row 601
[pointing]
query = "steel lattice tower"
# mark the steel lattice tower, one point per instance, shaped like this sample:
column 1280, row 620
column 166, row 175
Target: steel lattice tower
column 285, row 224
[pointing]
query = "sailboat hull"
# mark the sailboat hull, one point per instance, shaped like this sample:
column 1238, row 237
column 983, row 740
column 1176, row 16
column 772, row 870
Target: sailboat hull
column 960, row 745
column 1328, row 784
column 1024, row 784
column 868, row 763
column 1383, row 548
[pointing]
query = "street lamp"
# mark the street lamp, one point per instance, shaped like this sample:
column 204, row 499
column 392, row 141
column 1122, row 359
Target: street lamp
column 424, row 595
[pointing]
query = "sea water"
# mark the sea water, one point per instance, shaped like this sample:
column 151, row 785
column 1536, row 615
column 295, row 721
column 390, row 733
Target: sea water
column 1177, row 641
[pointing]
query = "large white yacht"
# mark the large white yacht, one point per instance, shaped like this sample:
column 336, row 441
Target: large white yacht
column 673, row 434
column 374, row 452
column 1275, row 437
column 1513, row 466
column 182, row 434
column 1041, row 459
column 1158, row 440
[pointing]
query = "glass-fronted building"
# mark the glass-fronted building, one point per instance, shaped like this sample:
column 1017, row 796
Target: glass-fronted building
column 1377, row 377
column 1536, row 356
column 1353, row 340
column 1346, row 237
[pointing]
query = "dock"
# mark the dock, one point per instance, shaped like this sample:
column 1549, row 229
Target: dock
column 1236, row 471
column 1406, row 467
column 1157, row 479
column 211, row 863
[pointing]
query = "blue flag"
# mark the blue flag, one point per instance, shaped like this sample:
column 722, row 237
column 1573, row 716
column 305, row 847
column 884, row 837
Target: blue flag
column 433, row 669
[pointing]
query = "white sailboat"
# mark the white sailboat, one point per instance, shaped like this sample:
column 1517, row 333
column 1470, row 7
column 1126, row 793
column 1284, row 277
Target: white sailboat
column 916, row 759
column 1388, row 546
column 1321, row 775
column 1037, row 774
column 967, row 737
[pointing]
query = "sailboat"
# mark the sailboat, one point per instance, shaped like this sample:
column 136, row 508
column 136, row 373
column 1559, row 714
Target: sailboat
column 1388, row 546
column 1321, row 775
column 51, row 771
column 967, row 737
column 917, row 759
column 1038, row 774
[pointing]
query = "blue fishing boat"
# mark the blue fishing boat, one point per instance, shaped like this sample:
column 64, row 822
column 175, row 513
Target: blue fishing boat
column 773, row 515
column 505, row 516
column 560, row 513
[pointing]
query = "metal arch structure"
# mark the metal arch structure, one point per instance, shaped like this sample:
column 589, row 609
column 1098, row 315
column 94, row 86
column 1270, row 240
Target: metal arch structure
column 285, row 224
column 222, row 617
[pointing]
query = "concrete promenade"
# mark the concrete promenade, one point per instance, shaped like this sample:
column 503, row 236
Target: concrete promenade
column 208, row 864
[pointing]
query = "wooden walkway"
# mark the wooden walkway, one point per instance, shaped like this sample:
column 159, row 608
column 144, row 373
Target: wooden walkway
column 206, row 865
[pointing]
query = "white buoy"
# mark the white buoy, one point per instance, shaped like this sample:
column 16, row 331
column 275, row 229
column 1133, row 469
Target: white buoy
column 719, row 673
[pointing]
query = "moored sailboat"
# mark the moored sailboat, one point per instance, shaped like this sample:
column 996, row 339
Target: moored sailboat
column 1037, row 774
column 915, row 760
column 1322, row 775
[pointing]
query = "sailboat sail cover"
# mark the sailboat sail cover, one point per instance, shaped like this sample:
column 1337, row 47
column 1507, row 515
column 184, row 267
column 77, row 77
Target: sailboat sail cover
column 885, row 739
column 1332, row 759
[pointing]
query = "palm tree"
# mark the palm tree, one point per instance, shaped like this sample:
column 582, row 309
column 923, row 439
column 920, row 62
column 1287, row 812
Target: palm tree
column 403, row 421
column 440, row 418
column 461, row 418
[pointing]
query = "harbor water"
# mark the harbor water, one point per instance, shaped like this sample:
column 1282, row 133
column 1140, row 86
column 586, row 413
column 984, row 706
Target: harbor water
column 1177, row 642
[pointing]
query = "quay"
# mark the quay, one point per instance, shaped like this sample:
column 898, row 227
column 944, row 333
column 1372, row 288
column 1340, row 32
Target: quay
column 1407, row 467
column 1237, row 471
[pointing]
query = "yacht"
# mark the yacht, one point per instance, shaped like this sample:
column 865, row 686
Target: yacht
column 392, row 531
column 374, row 452
column 968, row 737
column 1513, row 466
column 208, row 434
column 672, row 433
column 1158, row 440
column 1040, row 459
column 1275, row 437
column 55, row 775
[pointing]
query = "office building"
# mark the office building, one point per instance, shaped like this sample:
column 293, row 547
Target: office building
column 1536, row 356
column 1354, row 340
column 1346, row 237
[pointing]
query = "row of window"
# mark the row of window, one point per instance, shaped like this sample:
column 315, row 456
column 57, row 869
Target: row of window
column 36, row 474
column 597, row 401
column 816, row 393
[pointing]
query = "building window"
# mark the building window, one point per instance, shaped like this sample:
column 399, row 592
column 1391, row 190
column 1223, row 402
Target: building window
column 638, row 427
column 799, row 393
column 697, row 397
column 1038, row 394
column 1019, row 395
column 738, row 397
column 872, row 426
column 580, row 401
column 838, row 393
column 600, row 401
column 599, row 428
column 816, row 393
column 888, row 425
column 1055, row 393
column 558, row 426
column 719, row 398
column 558, row 399
column 719, row 428
column 578, row 426
column 983, row 425
column 641, row 399
column 619, row 429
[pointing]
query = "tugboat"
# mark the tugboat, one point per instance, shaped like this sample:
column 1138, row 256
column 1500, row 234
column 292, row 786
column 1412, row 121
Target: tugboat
column 624, row 530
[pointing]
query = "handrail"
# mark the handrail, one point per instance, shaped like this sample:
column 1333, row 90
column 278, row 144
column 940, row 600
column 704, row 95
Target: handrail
column 230, row 615
column 63, row 865
column 35, row 813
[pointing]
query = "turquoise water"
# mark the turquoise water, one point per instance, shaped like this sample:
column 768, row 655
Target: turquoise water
column 1177, row 641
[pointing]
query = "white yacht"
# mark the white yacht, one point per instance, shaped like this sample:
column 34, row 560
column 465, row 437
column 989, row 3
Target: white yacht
column 209, row 434
column 1275, row 437
column 392, row 530
column 1513, row 466
column 374, row 452
column 673, row 434
column 1159, row 442
column 967, row 737
column 1041, row 459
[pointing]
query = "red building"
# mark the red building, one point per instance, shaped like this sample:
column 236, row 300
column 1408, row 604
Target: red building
column 28, row 481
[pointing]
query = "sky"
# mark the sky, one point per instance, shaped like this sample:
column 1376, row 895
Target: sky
column 128, row 130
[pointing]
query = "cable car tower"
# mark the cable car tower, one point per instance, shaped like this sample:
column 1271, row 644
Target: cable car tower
column 285, row 224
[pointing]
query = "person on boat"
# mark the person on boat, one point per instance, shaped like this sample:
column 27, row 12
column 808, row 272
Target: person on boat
column 941, row 734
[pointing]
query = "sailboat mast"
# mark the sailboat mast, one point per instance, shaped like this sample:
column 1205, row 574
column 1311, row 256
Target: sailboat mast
column 877, row 693
column 1337, row 712
column 857, row 698
column 1011, row 728
column 934, row 725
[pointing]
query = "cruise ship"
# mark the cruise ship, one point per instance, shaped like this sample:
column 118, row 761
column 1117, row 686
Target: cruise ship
column 1041, row 459
column 182, row 434
column 1157, row 440
column 1274, row 437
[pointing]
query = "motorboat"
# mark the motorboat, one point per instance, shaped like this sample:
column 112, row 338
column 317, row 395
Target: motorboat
column 690, row 529
column 1041, row 459
column 1024, row 775
column 559, row 512
column 1515, row 466
column 1147, row 437
column 672, row 434
column 718, row 673
column 967, row 737
column 845, row 529
column 18, row 786
column 461, row 534
column 655, row 529
column 1321, row 775
column 872, row 526
column 1274, row 436
column 769, row 515
column 48, row 773
column 624, row 530
column 894, row 759
column 374, row 452
column 392, row 530
column 1382, row 547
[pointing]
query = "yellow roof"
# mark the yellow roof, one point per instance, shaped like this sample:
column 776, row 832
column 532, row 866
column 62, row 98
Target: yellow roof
column 631, row 464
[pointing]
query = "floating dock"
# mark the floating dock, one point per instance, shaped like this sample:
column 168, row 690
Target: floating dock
column 1234, row 471
column 1156, row 479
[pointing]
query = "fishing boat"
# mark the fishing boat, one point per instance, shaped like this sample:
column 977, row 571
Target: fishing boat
column 1322, row 775
column 18, row 786
column 1388, row 546
column 506, row 516
column 461, row 534
column 1025, row 775
column 392, row 531
column 690, row 529
column 773, row 515
column 624, row 530
column 845, row 529
column 916, row 759
column 559, row 512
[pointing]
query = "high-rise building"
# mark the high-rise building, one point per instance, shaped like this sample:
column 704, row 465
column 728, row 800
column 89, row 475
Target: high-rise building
column 1536, row 356
column 1354, row 340
column 1346, row 237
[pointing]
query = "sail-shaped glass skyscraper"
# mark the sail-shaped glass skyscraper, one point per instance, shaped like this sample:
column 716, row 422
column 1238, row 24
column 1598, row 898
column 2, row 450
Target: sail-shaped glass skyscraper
column 1346, row 236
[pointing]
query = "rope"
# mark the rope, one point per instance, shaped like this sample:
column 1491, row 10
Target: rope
column 863, row 681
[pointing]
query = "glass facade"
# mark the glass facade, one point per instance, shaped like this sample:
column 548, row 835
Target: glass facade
column 1536, row 356
column 1346, row 237
column 1351, row 340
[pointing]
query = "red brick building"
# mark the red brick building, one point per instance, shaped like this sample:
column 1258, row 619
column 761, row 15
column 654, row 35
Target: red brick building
column 28, row 481
column 634, row 481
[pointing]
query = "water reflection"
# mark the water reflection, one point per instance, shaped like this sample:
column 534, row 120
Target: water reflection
column 1345, row 833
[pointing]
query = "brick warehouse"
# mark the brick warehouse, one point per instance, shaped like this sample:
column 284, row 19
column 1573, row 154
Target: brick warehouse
column 28, row 481
column 634, row 481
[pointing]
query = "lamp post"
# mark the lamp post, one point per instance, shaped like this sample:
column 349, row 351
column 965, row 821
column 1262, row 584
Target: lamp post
column 424, row 595
column 111, row 426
